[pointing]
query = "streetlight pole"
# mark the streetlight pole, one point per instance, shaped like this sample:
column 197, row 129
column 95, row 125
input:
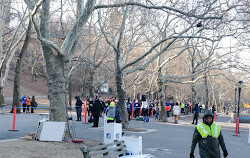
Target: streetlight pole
column 239, row 85
column 235, row 103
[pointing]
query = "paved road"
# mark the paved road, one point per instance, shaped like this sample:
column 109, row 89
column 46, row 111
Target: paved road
column 163, row 139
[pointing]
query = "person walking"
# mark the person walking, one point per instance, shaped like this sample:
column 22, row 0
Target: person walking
column 196, row 114
column 110, row 112
column 97, row 108
column 176, row 112
column 78, row 108
column 33, row 104
column 209, row 137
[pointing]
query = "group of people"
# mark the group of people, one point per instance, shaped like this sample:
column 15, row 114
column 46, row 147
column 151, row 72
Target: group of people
column 207, row 133
column 99, row 107
column 28, row 103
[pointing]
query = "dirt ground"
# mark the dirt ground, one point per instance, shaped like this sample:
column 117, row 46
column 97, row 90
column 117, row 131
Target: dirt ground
column 36, row 149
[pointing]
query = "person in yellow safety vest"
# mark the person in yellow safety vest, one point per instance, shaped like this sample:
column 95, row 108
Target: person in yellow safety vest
column 182, row 107
column 209, row 137
column 110, row 112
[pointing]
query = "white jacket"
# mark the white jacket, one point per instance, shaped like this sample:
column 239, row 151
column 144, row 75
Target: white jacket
column 176, row 110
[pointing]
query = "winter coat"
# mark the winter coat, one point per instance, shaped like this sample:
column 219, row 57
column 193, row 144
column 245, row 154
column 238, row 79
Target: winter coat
column 176, row 110
column 129, row 107
column 209, row 147
column 97, row 108
column 110, row 112
column 24, row 100
column 91, row 106
column 196, row 111
column 118, row 113
column 78, row 103
column 28, row 101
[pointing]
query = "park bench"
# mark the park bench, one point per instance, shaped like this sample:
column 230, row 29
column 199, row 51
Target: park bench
column 112, row 150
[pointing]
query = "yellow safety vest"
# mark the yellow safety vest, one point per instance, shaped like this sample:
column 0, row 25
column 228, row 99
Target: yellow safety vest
column 205, row 130
column 182, row 105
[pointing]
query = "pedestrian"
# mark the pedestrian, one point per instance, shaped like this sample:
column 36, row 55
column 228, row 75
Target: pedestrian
column 118, row 115
column 78, row 108
column 110, row 112
column 90, row 110
column 28, row 104
column 168, row 109
column 33, row 104
column 213, row 109
column 97, row 108
column 24, row 101
column 209, row 137
column 129, row 109
column 195, row 113
column 176, row 112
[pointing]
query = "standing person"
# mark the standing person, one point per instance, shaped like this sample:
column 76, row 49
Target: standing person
column 213, row 109
column 168, row 109
column 118, row 115
column 196, row 114
column 176, row 112
column 24, row 101
column 129, row 109
column 209, row 137
column 111, row 113
column 33, row 104
column 28, row 104
column 78, row 108
column 90, row 112
column 97, row 108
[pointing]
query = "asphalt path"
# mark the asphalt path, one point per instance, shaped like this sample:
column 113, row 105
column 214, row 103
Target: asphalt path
column 160, row 140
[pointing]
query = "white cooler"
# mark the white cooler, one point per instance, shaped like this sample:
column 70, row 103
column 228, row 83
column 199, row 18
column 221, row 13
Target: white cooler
column 112, row 132
column 133, row 144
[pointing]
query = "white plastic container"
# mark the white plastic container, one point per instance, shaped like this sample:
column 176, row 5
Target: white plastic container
column 133, row 145
column 112, row 132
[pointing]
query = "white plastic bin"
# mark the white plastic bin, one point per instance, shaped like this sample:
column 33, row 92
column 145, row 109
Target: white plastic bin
column 133, row 145
column 112, row 131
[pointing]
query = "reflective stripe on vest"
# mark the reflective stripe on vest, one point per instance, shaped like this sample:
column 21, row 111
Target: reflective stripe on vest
column 205, row 130
column 109, row 118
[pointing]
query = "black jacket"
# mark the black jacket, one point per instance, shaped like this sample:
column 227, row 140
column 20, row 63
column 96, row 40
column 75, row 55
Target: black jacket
column 78, row 103
column 97, row 107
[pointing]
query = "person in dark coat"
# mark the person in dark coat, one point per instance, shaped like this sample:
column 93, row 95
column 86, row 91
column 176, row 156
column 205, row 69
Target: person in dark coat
column 213, row 109
column 118, row 114
column 78, row 108
column 196, row 114
column 33, row 104
column 129, row 109
column 209, row 137
column 97, row 108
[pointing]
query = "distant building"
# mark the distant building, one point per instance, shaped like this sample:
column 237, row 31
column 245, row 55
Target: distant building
column 104, row 88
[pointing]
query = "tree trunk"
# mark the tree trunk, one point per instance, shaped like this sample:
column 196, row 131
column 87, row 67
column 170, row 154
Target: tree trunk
column 1, row 96
column 162, row 106
column 121, row 97
column 193, row 93
column 17, row 79
column 206, row 92
column 91, row 86
column 57, row 70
